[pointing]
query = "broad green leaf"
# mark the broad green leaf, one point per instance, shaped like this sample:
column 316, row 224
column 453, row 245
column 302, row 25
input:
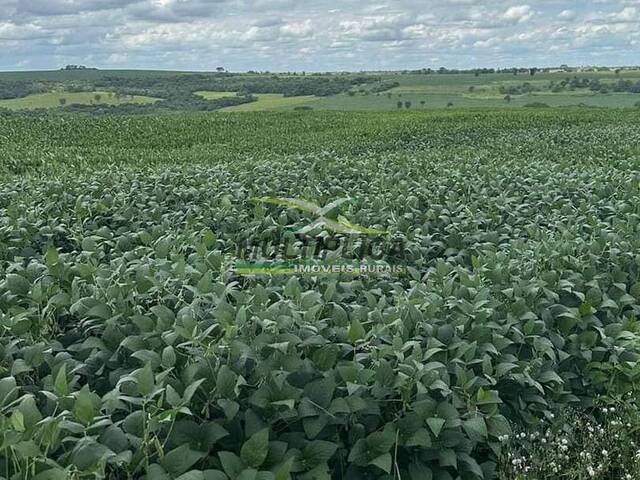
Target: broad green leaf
column 231, row 463
column 60, row 385
column 17, row 421
column 17, row 284
column 146, row 380
column 226, row 382
column 318, row 452
column 84, row 407
column 436, row 424
column 476, row 428
column 168, row 357
column 52, row 474
column 383, row 462
column 181, row 459
column 254, row 451
column 8, row 390
column 356, row 331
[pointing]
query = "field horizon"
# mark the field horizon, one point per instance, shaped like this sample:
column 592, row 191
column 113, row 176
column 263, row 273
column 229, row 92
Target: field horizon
column 148, row 91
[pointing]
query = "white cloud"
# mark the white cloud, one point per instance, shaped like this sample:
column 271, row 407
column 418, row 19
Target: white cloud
column 301, row 29
column 320, row 35
column 518, row 14
column 26, row 32
column 567, row 15
column 628, row 14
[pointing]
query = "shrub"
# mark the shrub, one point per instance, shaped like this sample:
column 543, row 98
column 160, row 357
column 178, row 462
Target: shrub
column 599, row 443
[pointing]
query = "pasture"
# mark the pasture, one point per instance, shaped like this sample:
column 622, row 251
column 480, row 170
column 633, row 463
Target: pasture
column 58, row 99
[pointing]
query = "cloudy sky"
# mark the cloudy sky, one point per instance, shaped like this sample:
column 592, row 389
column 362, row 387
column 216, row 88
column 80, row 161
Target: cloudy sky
column 312, row 35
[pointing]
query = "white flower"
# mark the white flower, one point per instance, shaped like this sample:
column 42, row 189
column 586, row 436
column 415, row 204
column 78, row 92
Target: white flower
column 591, row 471
column 604, row 453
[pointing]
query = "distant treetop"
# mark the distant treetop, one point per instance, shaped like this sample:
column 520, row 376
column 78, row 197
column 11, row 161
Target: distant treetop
column 77, row 67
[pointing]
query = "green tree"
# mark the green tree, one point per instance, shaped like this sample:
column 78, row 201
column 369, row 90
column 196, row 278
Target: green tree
column 62, row 101
column 399, row 104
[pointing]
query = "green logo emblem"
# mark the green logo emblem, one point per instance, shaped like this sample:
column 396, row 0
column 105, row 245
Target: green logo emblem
column 327, row 217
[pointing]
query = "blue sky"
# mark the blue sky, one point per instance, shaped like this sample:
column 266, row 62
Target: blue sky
column 319, row 35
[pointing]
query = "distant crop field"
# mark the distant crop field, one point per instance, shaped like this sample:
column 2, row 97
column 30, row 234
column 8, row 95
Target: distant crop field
column 57, row 99
column 273, row 101
column 433, row 99
column 215, row 95
column 374, row 91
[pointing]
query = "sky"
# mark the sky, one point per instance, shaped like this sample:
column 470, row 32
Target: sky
column 317, row 35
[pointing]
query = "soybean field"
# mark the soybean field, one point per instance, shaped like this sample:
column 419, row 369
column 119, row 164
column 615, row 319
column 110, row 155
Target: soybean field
column 131, row 347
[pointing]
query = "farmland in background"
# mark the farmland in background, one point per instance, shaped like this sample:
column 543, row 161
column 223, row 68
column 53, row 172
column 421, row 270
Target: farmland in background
column 369, row 91
column 56, row 99
column 273, row 101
